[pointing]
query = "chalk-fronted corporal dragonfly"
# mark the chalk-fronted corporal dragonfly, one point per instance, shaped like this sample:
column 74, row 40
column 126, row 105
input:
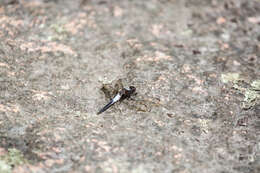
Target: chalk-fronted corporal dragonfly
column 120, row 96
column 116, row 92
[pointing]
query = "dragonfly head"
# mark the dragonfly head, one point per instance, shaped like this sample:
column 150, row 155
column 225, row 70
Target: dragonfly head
column 132, row 89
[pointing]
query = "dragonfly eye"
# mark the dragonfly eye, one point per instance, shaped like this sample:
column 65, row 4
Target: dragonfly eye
column 132, row 88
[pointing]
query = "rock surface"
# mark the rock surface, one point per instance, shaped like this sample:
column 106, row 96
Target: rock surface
column 195, row 64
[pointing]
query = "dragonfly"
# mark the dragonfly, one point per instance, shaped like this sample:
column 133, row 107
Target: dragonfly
column 123, row 94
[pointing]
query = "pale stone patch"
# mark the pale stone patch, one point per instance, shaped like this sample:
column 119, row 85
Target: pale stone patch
column 135, row 43
column 87, row 168
column 177, row 153
column 32, row 4
column 236, row 63
column 161, row 56
column 158, row 57
column 10, row 21
column 40, row 95
column 4, row 65
column 204, row 124
column 199, row 89
column 196, row 79
column 186, row 68
column 120, row 33
column 56, row 149
column 10, row 73
column 162, row 78
column 2, row 151
column 36, row 168
column 230, row 77
column 49, row 162
column 59, row 161
column 221, row 20
column 47, row 47
column 254, row 20
column 156, row 29
column 118, row 12
column 9, row 108
column 2, row 10
column 83, row 19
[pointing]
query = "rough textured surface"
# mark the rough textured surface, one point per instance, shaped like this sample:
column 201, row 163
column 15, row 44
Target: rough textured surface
column 195, row 64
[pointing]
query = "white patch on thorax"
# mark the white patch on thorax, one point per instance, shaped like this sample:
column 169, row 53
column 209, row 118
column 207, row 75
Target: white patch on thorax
column 116, row 98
